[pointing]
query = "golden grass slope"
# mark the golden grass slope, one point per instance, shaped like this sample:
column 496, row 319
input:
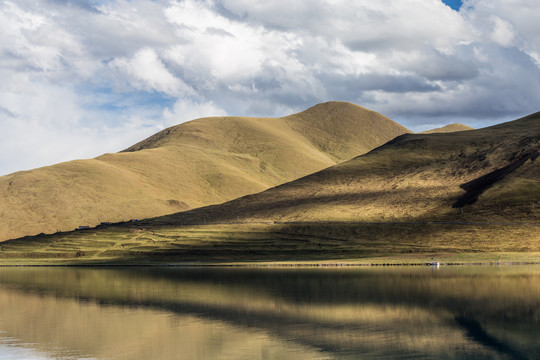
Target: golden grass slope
column 415, row 177
column 448, row 128
column 470, row 196
column 201, row 162
column 464, row 192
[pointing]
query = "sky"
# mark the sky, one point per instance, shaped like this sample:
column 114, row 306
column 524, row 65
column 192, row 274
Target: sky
column 80, row 78
column 454, row 4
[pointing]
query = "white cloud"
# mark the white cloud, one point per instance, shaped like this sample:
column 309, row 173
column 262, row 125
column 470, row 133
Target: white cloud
column 228, row 50
column 364, row 23
column 44, row 145
column 145, row 71
column 108, row 73
column 185, row 110
column 503, row 31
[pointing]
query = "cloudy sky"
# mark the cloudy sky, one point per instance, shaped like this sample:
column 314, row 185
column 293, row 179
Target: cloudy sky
column 84, row 77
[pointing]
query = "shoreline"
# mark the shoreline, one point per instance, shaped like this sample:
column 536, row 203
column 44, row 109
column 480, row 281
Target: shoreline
column 349, row 263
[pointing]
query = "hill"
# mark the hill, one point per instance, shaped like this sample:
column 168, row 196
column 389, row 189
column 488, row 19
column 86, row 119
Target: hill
column 478, row 175
column 201, row 162
column 472, row 192
column 448, row 128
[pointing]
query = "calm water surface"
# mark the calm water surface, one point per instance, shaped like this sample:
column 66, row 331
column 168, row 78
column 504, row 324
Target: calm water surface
column 180, row 313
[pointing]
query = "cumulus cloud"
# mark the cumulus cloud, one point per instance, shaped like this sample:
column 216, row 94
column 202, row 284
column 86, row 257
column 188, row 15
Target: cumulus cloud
column 184, row 110
column 80, row 78
column 503, row 31
column 145, row 71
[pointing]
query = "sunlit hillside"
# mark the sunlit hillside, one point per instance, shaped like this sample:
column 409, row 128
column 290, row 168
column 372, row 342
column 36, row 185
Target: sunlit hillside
column 448, row 128
column 201, row 162
column 489, row 174
column 463, row 192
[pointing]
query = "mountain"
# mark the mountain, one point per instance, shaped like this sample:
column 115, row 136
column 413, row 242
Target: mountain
column 485, row 175
column 471, row 191
column 448, row 128
column 474, row 194
column 201, row 162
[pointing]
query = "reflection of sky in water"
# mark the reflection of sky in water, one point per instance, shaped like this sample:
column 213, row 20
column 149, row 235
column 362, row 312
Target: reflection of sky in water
column 11, row 348
column 9, row 352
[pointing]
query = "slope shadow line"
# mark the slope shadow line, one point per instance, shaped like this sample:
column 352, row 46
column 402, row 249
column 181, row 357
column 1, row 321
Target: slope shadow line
column 477, row 186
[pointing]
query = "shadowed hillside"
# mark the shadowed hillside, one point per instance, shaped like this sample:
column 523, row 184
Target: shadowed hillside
column 462, row 192
column 201, row 162
column 489, row 174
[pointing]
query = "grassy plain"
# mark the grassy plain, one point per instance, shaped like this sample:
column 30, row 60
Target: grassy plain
column 280, row 245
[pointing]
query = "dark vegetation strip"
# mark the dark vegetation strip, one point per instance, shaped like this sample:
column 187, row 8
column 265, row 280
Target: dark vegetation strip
column 477, row 186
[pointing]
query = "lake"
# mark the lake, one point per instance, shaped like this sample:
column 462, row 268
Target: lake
column 484, row 312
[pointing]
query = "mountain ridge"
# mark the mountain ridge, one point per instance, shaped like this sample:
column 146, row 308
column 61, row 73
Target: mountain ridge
column 448, row 128
column 201, row 162
column 461, row 195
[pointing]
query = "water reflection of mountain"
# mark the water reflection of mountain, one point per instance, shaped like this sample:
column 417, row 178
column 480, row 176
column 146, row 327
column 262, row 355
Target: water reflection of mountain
column 393, row 313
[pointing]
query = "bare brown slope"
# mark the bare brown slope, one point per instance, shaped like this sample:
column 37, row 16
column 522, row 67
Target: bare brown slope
column 448, row 128
column 202, row 162
column 415, row 177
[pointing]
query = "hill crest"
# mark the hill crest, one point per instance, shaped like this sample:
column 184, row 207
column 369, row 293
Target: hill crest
column 414, row 177
column 448, row 128
column 197, row 163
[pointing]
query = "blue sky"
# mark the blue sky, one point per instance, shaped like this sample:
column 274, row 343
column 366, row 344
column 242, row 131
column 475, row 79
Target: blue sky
column 85, row 77
column 454, row 4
